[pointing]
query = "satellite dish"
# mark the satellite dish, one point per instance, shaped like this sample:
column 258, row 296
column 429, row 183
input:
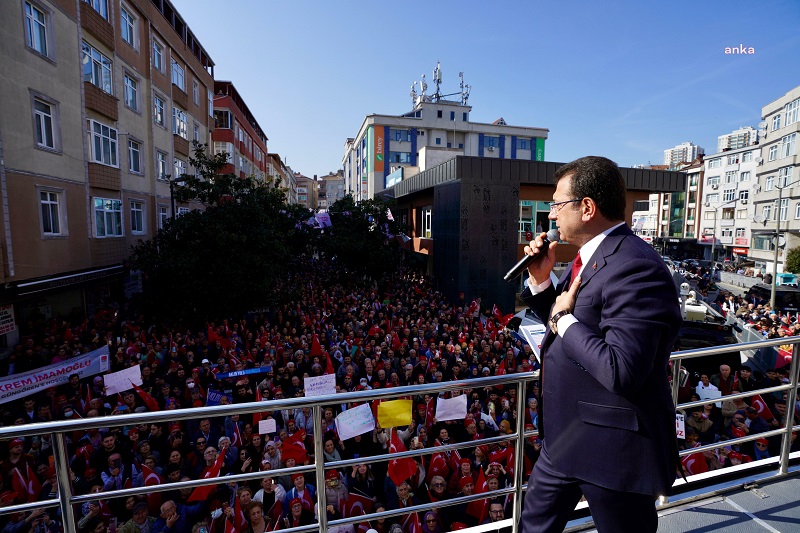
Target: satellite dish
column 762, row 126
column 758, row 160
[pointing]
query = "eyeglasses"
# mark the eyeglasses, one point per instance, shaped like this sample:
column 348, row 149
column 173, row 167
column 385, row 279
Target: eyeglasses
column 555, row 207
column 438, row 484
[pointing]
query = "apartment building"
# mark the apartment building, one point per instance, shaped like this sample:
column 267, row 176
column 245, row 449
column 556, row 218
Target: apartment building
column 307, row 191
column 391, row 148
column 685, row 152
column 776, row 194
column 283, row 175
column 237, row 133
column 331, row 189
column 101, row 101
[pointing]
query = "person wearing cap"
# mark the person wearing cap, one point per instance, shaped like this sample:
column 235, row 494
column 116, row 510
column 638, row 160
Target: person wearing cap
column 17, row 458
column 612, row 317
column 336, row 494
column 141, row 521
column 746, row 381
column 302, row 491
column 297, row 514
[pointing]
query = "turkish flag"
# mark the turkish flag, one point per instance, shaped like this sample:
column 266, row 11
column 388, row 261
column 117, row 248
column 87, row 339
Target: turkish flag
column 229, row 527
column 202, row 493
column 295, row 447
column 411, row 524
column 26, row 488
column 148, row 400
column 316, row 347
column 438, row 467
column 761, row 406
column 356, row 505
column 236, row 438
column 479, row 509
column 374, row 330
column 238, row 516
column 151, row 478
column 274, row 513
column 694, row 463
column 474, row 307
column 400, row 469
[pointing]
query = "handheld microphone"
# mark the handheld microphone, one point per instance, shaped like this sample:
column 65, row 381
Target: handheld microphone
column 526, row 260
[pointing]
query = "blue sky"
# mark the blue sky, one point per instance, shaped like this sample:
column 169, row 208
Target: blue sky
column 624, row 79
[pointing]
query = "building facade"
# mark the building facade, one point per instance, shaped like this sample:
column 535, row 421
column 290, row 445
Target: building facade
column 283, row 176
column 683, row 153
column 744, row 136
column 776, row 194
column 237, row 133
column 307, row 191
column 390, row 148
column 331, row 189
column 105, row 99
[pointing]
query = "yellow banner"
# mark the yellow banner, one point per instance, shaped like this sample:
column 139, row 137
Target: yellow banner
column 394, row 413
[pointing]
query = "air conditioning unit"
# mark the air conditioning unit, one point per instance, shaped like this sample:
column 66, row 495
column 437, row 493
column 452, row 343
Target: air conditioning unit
column 490, row 148
column 715, row 186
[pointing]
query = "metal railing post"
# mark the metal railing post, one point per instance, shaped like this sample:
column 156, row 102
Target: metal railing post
column 791, row 399
column 64, row 482
column 519, row 457
column 319, row 472
column 676, row 375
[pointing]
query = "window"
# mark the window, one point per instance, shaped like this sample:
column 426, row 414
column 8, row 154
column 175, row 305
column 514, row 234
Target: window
column 182, row 211
column 131, row 91
column 180, row 168
column 767, row 212
column 439, row 114
column 104, row 144
column 425, row 219
column 178, row 76
column 163, row 216
column 741, row 213
column 769, row 184
column 728, row 195
column 400, row 157
column 788, row 145
column 161, row 165
column 730, row 177
column 744, row 176
column 491, row 142
column 523, row 144
column 195, row 92
column 784, row 211
column 776, row 122
column 715, row 163
column 713, row 181
column 464, row 117
column 196, row 132
column 179, row 123
column 35, row 28
column 97, row 68
column 747, row 157
column 158, row 56
column 784, row 176
column 210, row 103
column 712, row 198
column 773, row 153
column 158, row 110
column 708, row 215
column 733, row 159
column 726, row 232
column 452, row 115
column 43, row 118
column 137, row 217
column 792, row 111
column 797, row 210
column 135, row 156
column 740, row 232
column 107, row 217
column 50, row 204
column 127, row 26
column 438, row 140
column 221, row 147
column 101, row 6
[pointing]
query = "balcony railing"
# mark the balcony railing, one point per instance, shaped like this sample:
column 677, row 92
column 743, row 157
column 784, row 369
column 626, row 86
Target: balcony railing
column 65, row 499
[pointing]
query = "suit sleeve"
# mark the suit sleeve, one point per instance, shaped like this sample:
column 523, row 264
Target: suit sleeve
column 639, row 316
column 541, row 303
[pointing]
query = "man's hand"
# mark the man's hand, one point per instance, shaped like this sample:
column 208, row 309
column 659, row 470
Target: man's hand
column 539, row 270
column 566, row 300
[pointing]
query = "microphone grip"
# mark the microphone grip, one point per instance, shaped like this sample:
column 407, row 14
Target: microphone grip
column 526, row 260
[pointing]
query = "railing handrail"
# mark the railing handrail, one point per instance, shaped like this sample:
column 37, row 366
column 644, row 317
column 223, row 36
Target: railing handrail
column 60, row 428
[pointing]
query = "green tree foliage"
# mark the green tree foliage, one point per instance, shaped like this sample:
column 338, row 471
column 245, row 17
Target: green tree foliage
column 226, row 259
column 793, row 261
column 362, row 237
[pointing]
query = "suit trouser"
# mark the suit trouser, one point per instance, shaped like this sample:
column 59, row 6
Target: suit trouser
column 551, row 497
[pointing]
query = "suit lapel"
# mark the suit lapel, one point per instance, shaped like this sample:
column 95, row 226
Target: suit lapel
column 608, row 247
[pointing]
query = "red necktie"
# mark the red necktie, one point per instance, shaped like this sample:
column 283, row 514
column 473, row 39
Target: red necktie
column 576, row 267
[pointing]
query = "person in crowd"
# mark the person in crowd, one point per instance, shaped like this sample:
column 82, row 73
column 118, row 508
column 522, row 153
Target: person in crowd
column 141, row 521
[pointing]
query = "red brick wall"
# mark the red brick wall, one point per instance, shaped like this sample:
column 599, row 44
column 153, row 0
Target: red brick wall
column 181, row 145
column 104, row 177
column 95, row 24
column 102, row 102
column 180, row 97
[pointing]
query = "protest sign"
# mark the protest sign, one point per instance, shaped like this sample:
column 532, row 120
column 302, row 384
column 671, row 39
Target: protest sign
column 394, row 413
column 122, row 380
column 214, row 397
column 451, row 408
column 267, row 426
column 20, row 385
column 355, row 421
column 320, row 385
column 237, row 373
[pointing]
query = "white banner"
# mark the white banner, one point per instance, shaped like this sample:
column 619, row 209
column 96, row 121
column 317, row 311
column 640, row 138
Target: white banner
column 319, row 385
column 451, row 408
column 20, row 385
column 122, row 380
column 355, row 421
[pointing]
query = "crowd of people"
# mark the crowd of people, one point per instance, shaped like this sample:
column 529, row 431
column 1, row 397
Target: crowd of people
column 394, row 332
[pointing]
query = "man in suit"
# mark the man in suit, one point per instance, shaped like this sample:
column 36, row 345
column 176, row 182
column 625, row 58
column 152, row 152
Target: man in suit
column 606, row 415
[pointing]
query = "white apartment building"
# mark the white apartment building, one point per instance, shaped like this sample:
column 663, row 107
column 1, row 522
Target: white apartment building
column 726, row 208
column 744, row 136
column 390, row 148
column 683, row 153
column 776, row 192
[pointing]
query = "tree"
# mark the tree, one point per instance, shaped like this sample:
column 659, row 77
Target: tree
column 793, row 261
column 226, row 259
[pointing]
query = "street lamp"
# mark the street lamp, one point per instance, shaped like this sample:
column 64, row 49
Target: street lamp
column 777, row 242
column 172, row 183
column 714, row 241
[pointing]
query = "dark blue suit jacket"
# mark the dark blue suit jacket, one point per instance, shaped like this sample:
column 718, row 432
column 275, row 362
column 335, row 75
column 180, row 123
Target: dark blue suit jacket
column 607, row 412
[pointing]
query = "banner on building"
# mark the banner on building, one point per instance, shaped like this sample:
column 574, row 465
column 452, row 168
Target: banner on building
column 21, row 385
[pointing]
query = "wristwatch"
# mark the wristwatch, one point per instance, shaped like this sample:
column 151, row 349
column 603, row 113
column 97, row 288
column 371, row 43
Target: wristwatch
column 554, row 319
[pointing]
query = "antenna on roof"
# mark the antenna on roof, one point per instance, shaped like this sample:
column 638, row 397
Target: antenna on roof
column 437, row 79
